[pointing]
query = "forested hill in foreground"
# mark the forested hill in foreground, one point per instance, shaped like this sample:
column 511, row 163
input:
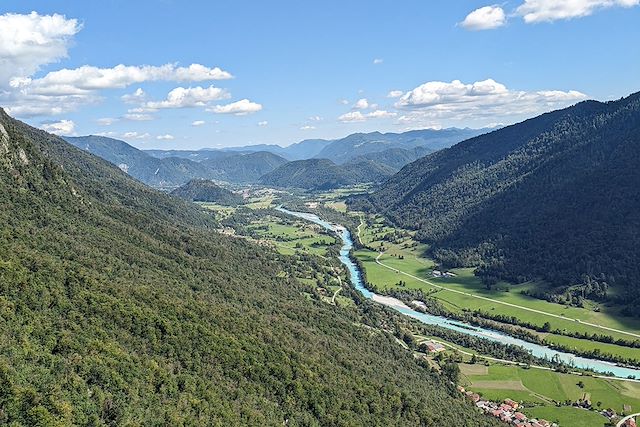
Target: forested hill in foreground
column 555, row 197
column 120, row 306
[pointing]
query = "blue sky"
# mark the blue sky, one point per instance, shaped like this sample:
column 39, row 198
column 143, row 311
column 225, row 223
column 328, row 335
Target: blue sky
column 304, row 70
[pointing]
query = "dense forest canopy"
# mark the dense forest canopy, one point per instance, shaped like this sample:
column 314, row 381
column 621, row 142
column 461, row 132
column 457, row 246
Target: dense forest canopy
column 556, row 197
column 120, row 305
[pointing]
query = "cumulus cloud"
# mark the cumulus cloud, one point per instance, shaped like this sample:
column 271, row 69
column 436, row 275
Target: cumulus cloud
column 552, row 10
column 485, row 18
column 181, row 97
column 487, row 99
column 27, row 42
column 378, row 61
column 357, row 116
column 395, row 94
column 307, row 127
column 263, row 123
column 361, row 104
column 89, row 78
column 238, row 108
column 62, row 127
column 165, row 137
column 198, row 123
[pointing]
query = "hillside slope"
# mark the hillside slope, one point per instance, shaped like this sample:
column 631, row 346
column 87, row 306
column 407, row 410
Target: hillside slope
column 203, row 190
column 243, row 168
column 119, row 305
column 555, row 197
column 167, row 172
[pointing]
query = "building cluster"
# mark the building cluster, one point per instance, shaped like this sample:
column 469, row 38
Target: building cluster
column 507, row 411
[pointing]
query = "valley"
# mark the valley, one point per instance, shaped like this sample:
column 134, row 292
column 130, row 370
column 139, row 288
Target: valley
column 394, row 264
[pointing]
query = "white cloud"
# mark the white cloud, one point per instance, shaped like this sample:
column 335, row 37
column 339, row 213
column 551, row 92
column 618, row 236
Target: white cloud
column 395, row 94
column 485, row 18
column 307, row 127
column 361, row 104
column 181, row 97
column 62, row 127
column 344, row 101
column 315, row 118
column 106, row 121
column 263, row 123
column 434, row 102
column 136, row 135
column 352, row 116
column 239, row 108
column 136, row 97
column 381, row 114
column 166, row 137
column 551, row 10
column 28, row 42
column 88, row 78
column 378, row 61
column 357, row 116
column 138, row 117
column 198, row 123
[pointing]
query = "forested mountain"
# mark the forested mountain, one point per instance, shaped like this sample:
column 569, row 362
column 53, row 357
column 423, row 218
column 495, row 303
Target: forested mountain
column 394, row 158
column 358, row 144
column 322, row 174
column 195, row 155
column 204, row 190
column 170, row 171
column 120, row 305
column 555, row 197
column 243, row 168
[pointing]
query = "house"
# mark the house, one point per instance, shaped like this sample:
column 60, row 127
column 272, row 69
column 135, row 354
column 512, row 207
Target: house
column 512, row 403
column 520, row 416
column 434, row 347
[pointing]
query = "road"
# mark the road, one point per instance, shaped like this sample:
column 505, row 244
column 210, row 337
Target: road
column 621, row 422
column 533, row 310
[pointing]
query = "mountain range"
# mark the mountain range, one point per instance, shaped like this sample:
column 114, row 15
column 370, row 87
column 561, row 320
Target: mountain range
column 171, row 168
column 553, row 198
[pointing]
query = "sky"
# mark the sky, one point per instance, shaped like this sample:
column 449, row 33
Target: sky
column 194, row 74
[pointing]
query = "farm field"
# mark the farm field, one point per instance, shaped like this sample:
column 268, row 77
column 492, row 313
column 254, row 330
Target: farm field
column 289, row 238
column 541, row 389
column 410, row 260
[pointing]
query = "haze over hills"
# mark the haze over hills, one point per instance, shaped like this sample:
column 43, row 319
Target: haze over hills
column 168, row 170
column 554, row 198
column 323, row 174
column 122, row 306
column 358, row 144
column 383, row 153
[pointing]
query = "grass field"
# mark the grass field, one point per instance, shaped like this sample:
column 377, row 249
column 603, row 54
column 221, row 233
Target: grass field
column 291, row 238
column 406, row 255
column 541, row 389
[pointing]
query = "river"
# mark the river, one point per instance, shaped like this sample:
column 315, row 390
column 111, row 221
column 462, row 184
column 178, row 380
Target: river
column 537, row 350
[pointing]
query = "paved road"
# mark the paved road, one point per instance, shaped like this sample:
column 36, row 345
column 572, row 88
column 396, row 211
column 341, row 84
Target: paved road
column 621, row 422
